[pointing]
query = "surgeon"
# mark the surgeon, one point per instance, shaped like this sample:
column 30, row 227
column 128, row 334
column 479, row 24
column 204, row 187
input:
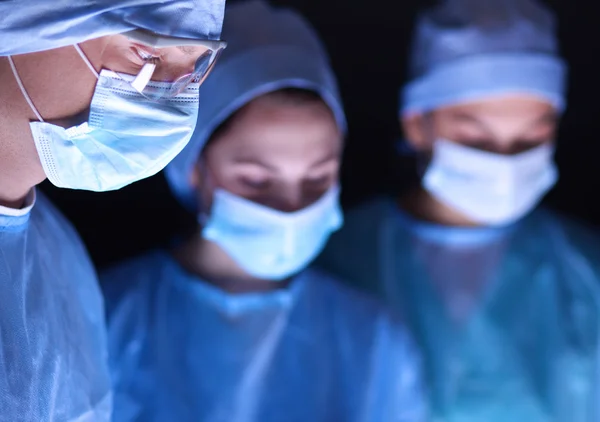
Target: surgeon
column 502, row 295
column 93, row 95
column 230, row 325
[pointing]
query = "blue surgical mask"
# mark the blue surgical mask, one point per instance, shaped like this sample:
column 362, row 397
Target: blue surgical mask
column 490, row 188
column 127, row 137
column 270, row 244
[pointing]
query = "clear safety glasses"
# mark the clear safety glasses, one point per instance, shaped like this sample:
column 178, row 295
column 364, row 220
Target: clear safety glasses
column 160, row 67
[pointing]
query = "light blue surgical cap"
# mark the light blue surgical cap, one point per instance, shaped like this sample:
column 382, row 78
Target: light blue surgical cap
column 27, row 26
column 466, row 50
column 268, row 49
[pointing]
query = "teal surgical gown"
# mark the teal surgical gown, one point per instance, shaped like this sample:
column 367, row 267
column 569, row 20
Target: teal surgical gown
column 507, row 318
column 184, row 350
column 53, row 356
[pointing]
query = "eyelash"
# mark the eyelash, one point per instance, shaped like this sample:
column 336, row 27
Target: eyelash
column 254, row 184
column 144, row 53
column 316, row 183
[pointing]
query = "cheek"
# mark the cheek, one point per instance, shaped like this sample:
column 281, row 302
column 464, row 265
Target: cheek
column 216, row 175
column 204, row 188
column 420, row 132
column 115, row 52
column 443, row 128
column 204, row 181
column 205, row 195
column 335, row 176
column 221, row 178
column 543, row 134
column 64, row 92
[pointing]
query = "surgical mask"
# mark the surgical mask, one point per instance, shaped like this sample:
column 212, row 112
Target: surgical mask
column 269, row 244
column 486, row 187
column 127, row 137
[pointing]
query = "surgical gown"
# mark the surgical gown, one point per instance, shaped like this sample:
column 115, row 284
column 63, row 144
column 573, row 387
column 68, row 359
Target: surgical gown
column 507, row 318
column 184, row 350
column 53, row 360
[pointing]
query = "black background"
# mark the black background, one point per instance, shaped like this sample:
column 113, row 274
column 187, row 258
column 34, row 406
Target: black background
column 368, row 42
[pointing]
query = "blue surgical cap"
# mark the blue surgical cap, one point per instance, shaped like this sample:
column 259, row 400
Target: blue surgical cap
column 468, row 50
column 27, row 26
column 268, row 49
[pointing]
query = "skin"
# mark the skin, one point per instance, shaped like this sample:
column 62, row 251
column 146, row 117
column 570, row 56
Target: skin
column 284, row 156
column 504, row 125
column 61, row 87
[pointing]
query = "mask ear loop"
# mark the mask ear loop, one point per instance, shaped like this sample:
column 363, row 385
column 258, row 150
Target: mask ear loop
column 13, row 68
column 140, row 81
column 23, row 90
column 86, row 60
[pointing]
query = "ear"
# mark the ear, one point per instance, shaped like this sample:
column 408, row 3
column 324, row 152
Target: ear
column 415, row 131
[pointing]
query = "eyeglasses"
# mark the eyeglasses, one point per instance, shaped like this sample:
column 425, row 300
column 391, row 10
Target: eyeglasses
column 158, row 66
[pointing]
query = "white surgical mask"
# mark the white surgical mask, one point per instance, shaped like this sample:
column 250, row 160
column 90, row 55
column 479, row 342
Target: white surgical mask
column 126, row 138
column 267, row 243
column 486, row 187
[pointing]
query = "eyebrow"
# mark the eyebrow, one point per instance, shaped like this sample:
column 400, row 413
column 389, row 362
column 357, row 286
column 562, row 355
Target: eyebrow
column 187, row 50
column 464, row 117
column 258, row 162
column 325, row 160
column 548, row 117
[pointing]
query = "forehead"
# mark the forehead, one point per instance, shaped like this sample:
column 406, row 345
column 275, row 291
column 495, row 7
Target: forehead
column 509, row 106
column 282, row 127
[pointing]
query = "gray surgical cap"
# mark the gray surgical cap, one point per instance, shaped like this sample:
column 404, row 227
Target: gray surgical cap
column 27, row 26
column 268, row 49
column 468, row 50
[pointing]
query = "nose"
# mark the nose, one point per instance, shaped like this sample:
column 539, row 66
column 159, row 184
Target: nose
column 291, row 199
column 503, row 149
column 515, row 147
column 291, row 202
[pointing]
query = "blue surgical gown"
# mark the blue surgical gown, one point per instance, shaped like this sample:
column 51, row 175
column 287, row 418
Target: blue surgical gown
column 183, row 350
column 507, row 318
column 53, row 355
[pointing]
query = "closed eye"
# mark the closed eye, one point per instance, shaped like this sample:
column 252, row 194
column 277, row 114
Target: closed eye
column 255, row 183
column 317, row 183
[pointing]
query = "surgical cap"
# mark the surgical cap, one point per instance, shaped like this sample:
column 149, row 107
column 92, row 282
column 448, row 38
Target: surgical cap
column 27, row 26
column 268, row 49
column 468, row 50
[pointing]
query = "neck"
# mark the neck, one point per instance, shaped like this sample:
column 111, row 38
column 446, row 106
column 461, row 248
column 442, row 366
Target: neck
column 20, row 167
column 209, row 262
column 422, row 205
